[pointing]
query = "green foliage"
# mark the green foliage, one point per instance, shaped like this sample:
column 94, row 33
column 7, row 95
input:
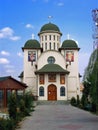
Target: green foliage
column 7, row 124
column 18, row 107
column 73, row 101
column 78, row 101
column 91, row 74
column 12, row 106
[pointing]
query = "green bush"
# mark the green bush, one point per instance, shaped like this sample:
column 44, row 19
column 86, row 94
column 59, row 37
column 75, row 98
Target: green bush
column 12, row 106
column 19, row 106
column 73, row 101
column 7, row 124
column 78, row 100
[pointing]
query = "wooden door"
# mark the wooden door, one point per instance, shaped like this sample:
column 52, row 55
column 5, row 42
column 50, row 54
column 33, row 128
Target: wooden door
column 52, row 92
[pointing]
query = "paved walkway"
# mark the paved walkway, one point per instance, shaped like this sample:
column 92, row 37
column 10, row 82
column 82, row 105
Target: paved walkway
column 60, row 117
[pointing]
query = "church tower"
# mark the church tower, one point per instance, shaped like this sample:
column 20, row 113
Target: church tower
column 32, row 51
column 70, row 50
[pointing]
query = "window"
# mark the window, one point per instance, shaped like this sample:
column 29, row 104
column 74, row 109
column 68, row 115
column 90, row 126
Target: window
column 62, row 79
column 49, row 37
column 53, row 37
column 52, row 77
column 57, row 38
column 51, row 60
column 50, row 45
column 42, row 38
column 57, row 45
column 54, row 45
column 46, row 46
column 1, row 97
column 62, row 91
column 41, row 79
column 45, row 37
column 41, row 91
column 42, row 45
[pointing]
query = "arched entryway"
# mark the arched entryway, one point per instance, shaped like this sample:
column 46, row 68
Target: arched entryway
column 52, row 92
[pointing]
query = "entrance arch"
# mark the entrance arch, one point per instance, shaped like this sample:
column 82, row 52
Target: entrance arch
column 52, row 92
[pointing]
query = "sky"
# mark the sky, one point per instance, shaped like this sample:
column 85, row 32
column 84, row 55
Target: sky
column 21, row 20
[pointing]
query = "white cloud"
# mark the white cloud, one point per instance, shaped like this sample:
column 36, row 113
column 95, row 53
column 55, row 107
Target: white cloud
column 15, row 38
column 10, row 71
column 4, row 61
column 9, row 66
column 60, row 4
column 19, row 54
column 29, row 26
column 7, row 32
column 5, row 53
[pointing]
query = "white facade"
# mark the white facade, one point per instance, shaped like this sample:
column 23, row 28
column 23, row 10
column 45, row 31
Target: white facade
column 51, row 67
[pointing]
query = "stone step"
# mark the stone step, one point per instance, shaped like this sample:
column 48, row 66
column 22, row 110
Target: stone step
column 60, row 102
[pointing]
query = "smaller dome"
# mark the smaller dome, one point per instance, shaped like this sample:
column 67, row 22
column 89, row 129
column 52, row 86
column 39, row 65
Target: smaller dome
column 32, row 44
column 69, row 44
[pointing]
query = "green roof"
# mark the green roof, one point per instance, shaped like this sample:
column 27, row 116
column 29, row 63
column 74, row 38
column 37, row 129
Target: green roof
column 52, row 68
column 31, row 44
column 69, row 44
column 50, row 27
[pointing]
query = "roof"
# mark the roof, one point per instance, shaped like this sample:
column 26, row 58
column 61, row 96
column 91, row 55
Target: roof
column 69, row 44
column 3, row 79
column 52, row 68
column 50, row 27
column 32, row 44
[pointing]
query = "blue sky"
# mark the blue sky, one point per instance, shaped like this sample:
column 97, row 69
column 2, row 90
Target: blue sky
column 21, row 20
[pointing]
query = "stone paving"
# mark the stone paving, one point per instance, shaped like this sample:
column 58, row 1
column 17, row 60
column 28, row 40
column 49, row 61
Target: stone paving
column 59, row 117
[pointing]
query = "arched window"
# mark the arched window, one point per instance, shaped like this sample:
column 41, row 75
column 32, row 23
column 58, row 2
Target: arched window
column 50, row 45
column 46, row 46
column 41, row 91
column 51, row 60
column 54, row 45
column 62, row 91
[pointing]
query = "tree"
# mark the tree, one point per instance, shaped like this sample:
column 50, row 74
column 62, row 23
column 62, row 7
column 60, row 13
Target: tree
column 91, row 74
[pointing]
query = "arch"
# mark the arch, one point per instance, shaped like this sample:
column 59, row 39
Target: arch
column 52, row 92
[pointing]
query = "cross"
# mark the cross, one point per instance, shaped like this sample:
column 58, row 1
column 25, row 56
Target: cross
column 68, row 36
column 33, row 36
column 50, row 17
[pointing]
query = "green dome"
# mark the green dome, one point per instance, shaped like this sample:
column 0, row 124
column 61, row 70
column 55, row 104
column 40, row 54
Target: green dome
column 32, row 44
column 50, row 27
column 69, row 44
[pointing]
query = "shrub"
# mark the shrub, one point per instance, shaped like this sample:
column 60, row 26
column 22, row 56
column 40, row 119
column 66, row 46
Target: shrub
column 78, row 101
column 7, row 124
column 73, row 101
column 12, row 106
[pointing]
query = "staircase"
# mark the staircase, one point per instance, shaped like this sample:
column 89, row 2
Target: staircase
column 60, row 102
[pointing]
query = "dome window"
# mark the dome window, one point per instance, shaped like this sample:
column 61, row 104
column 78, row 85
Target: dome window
column 51, row 60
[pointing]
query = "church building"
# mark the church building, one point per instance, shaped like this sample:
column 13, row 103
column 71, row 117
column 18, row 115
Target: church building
column 51, row 67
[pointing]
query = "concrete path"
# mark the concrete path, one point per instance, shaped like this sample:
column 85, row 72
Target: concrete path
column 59, row 117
